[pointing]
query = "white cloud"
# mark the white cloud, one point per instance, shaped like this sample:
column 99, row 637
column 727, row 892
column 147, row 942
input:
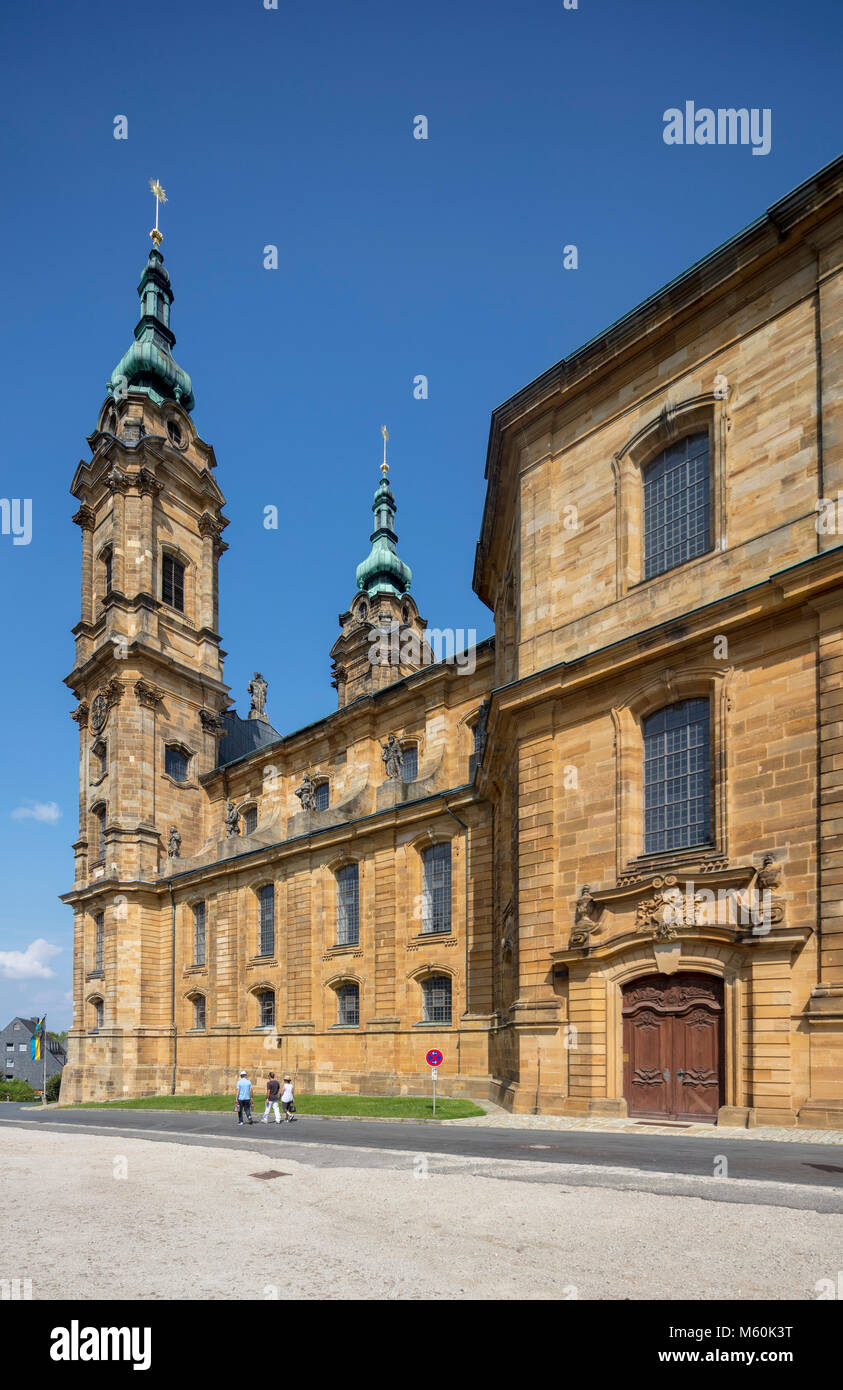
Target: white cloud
column 31, row 964
column 48, row 811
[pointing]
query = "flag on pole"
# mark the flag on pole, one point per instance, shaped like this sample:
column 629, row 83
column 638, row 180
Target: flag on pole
column 35, row 1042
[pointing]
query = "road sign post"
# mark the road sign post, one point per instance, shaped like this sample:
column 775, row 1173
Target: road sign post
column 434, row 1061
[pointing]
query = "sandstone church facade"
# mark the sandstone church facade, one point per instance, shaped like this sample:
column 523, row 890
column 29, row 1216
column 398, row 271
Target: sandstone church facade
column 601, row 871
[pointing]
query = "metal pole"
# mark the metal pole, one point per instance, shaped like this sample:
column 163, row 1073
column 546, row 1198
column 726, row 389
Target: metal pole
column 434, row 1070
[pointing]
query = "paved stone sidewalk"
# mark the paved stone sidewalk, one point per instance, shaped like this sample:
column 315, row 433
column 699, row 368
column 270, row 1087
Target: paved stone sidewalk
column 503, row 1119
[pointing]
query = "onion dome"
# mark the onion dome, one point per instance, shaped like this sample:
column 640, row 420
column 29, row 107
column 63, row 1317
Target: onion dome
column 383, row 572
column 148, row 366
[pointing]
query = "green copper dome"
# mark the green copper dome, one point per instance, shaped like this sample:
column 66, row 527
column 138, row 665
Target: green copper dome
column 383, row 572
column 148, row 366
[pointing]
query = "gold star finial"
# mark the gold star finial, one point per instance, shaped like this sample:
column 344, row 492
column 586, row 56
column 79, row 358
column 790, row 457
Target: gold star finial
column 160, row 197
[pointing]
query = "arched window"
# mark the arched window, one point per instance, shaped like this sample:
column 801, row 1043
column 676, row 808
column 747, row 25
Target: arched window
column 198, row 933
column 174, row 432
column 99, row 941
column 99, row 760
column 348, row 915
column 176, row 762
column 172, row 582
column 677, row 779
column 199, row 1012
column 266, row 1008
column 266, row 904
column 348, row 1005
column 250, row 820
column 405, row 614
column 363, row 611
column 436, row 888
column 436, row 993
column 97, row 1006
column 677, row 505
column 410, row 765
column 107, row 570
column 323, row 796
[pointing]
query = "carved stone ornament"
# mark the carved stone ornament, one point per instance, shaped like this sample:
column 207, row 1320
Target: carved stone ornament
column 147, row 694
column 85, row 517
column 80, row 714
column 174, row 843
column 147, row 483
column 117, row 480
column 209, row 526
column 481, row 732
column 586, row 917
column 212, row 723
column 110, row 694
column 667, row 909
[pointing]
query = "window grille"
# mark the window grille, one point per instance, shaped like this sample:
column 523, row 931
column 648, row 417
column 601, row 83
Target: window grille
column 677, row 788
column 436, row 888
column 348, row 1005
column 172, row 582
column 410, row 766
column 250, row 820
column 198, row 933
column 323, row 796
column 199, row 1011
column 266, row 1004
column 266, row 896
column 348, row 906
column 437, row 999
column 677, row 505
column 99, row 940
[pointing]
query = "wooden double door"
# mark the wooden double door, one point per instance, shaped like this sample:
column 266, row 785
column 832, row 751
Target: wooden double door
column 673, row 1046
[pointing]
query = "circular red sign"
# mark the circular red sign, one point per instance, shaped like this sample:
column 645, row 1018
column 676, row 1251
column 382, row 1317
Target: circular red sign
column 434, row 1058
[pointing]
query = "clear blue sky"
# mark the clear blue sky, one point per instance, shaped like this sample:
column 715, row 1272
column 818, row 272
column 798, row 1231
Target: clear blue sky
column 397, row 257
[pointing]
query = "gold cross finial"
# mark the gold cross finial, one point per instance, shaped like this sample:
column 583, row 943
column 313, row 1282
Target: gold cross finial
column 384, row 465
column 160, row 197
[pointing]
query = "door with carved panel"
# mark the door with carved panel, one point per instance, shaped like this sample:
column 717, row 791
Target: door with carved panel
column 673, row 1046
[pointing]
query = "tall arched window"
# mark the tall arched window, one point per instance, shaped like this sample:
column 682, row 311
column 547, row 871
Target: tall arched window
column 97, row 1006
column 322, row 796
column 436, row 888
column 266, row 1008
column 677, row 777
column 250, row 820
column 172, row 582
column 107, row 570
column 99, row 941
column 99, row 818
column 436, row 992
column 677, row 505
column 348, row 1005
column 198, row 933
column 348, row 905
column 266, row 903
column 410, row 765
column 199, row 1012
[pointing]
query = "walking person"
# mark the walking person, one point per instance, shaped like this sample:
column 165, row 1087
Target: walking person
column 287, row 1099
column 273, row 1087
column 243, row 1098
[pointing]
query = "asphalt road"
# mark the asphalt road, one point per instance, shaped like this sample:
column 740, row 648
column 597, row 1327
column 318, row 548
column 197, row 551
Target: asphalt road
column 808, row 1176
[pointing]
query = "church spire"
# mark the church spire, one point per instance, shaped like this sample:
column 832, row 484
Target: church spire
column 383, row 572
column 148, row 366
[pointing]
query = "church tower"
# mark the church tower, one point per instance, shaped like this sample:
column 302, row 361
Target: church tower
column 382, row 637
column 148, row 679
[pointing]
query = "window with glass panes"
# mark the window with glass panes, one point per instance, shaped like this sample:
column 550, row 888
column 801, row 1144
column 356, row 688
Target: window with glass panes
column 98, row 1007
column 348, row 1005
column 348, row 906
column 107, row 565
column 198, row 933
column 99, row 940
column 176, row 764
column 677, row 505
column 322, row 796
column 172, row 582
column 437, row 999
column 266, row 902
column 410, row 765
column 100, row 815
column 266, row 1007
column 677, row 785
column 199, row 1011
column 250, row 820
column 436, row 888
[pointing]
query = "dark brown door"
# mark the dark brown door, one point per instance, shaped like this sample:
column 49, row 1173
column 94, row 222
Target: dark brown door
column 673, row 1046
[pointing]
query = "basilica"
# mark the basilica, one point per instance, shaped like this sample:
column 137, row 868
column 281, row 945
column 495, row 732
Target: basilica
column 599, row 865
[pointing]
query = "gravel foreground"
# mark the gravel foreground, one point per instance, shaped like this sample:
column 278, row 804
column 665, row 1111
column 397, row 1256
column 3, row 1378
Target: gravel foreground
column 96, row 1217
